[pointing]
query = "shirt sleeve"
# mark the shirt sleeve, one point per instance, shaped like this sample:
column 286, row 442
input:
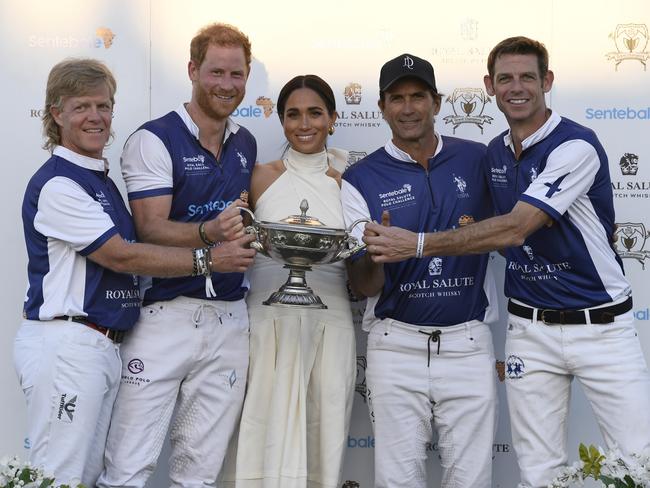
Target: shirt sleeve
column 354, row 208
column 146, row 166
column 569, row 173
column 67, row 213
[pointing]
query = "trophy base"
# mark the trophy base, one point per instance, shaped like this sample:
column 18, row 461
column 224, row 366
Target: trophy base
column 295, row 292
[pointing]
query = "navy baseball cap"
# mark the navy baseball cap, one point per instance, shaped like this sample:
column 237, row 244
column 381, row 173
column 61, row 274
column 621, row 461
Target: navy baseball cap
column 406, row 65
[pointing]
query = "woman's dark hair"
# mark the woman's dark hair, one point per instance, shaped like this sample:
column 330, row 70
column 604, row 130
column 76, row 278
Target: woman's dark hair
column 312, row 82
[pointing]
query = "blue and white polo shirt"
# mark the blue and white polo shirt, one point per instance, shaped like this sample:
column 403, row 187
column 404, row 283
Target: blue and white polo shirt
column 563, row 171
column 71, row 208
column 164, row 157
column 452, row 192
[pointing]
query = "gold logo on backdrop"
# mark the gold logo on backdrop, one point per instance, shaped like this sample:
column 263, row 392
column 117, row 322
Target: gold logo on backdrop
column 106, row 35
column 468, row 105
column 266, row 104
column 352, row 94
column 631, row 41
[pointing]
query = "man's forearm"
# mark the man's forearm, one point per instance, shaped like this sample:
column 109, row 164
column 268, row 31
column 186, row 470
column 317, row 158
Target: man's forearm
column 393, row 244
column 366, row 277
column 166, row 232
column 484, row 236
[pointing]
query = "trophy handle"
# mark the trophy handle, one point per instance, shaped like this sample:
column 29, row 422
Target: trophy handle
column 354, row 245
column 355, row 223
column 248, row 211
column 252, row 229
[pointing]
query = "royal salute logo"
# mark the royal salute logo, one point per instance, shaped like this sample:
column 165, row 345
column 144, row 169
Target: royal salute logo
column 468, row 105
column 629, row 164
column 435, row 266
column 529, row 252
column 464, row 48
column 266, row 104
column 469, row 29
column 631, row 41
column 360, row 385
column 630, row 186
column 352, row 94
column 630, row 241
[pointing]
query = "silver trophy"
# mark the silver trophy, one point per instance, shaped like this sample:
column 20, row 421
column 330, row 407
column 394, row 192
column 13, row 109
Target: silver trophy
column 299, row 242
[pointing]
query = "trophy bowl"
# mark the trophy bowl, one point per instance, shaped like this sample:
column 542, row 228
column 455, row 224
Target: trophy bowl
column 299, row 242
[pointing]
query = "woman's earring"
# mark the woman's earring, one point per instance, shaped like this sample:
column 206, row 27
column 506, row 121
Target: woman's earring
column 330, row 131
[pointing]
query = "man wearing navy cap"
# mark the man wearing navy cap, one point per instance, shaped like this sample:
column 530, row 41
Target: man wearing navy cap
column 430, row 354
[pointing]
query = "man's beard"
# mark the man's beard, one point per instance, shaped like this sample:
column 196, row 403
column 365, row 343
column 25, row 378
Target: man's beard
column 203, row 100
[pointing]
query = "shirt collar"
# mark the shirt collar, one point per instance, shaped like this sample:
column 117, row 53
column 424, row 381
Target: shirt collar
column 231, row 126
column 397, row 153
column 80, row 160
column 536, row 136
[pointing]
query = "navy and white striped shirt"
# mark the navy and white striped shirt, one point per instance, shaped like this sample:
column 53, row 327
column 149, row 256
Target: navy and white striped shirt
column 563, row 171
column 71, row 208
column 164, row 157
column 438, row 290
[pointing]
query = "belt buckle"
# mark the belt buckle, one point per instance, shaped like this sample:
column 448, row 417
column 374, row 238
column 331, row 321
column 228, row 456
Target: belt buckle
column 117, row 336
column 548, row 322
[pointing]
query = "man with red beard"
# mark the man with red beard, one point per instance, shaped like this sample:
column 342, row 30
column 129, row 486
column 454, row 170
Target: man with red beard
column 188, row 353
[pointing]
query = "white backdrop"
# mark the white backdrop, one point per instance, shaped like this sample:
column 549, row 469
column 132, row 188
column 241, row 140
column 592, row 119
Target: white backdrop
column 599, row 52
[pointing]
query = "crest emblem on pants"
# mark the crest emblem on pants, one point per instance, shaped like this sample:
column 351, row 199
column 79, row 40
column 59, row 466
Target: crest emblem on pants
column 514, row 367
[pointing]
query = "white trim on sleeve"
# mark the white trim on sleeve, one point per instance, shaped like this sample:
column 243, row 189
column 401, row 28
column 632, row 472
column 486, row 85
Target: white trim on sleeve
column 146, row 163
column 67, row 213
column 569, row 173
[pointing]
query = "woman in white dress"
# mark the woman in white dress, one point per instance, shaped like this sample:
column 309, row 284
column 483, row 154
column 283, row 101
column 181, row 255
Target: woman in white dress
column 296, row 414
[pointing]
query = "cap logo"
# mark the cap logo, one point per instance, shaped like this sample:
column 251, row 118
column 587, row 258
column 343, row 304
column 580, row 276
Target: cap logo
column 408, row 62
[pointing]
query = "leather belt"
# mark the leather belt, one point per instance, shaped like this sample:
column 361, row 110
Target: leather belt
column 603, row 315
column 114, row 335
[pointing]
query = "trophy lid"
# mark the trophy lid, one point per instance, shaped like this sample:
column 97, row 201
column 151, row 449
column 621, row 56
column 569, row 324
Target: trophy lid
column 303, row 218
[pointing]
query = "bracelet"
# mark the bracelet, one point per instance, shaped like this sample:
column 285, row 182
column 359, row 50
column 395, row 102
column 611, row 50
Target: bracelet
column 209, row 261
column 202, row 262
column 204, row 236
column 419, row 250
column 195, row 266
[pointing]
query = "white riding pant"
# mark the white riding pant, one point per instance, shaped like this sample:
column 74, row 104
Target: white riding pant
column 188, row 355
column 70, row 374
column 415, row 378
column 542, row 360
